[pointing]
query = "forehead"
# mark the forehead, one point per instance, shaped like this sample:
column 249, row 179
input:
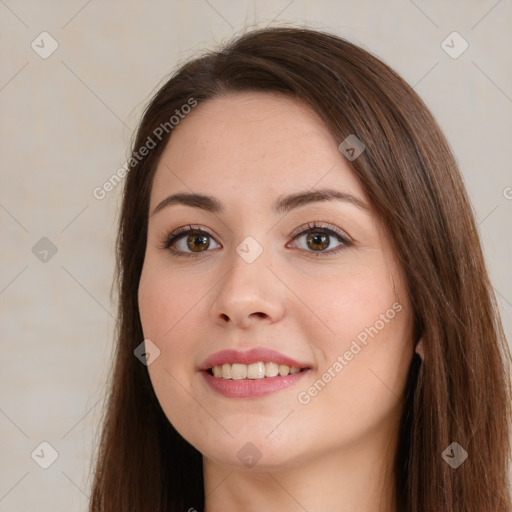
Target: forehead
column 254, row 143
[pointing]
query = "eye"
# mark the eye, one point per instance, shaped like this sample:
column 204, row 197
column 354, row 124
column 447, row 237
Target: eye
column 317, row 239
column 191, row 241
column 188, row 237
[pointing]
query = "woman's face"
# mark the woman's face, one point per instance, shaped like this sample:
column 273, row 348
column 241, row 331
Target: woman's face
column 279, row 279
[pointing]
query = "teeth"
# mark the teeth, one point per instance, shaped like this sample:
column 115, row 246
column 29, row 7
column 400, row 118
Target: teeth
column 238, row 371
column 226, row 371
column 284, row 370
column 255, row 371
column 271, row 369
column 252, row 371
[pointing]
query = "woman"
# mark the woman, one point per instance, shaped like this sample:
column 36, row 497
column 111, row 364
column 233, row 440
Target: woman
column 305, row 317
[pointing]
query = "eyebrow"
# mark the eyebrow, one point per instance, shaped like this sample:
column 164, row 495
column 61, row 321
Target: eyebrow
column 282, row 204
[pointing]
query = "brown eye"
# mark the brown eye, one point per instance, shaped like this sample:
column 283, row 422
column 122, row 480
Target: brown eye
column 319, row 238
column 318, row 241
column 188, row 242
column 196, row 243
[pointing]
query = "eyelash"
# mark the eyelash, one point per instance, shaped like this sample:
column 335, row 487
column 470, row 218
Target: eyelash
column 311, row 228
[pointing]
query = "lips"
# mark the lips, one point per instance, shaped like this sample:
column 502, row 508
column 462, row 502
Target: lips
column 255, row 355
column 226, row 372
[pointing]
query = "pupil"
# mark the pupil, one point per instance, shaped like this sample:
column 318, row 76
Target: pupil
column 319, row 239
column 203, row 238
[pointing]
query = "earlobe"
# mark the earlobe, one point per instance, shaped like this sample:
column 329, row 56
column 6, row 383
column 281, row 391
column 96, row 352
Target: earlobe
column 419, row 349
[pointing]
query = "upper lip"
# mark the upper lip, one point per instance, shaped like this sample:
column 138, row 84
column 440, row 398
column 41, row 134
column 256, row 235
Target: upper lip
column 254, row 355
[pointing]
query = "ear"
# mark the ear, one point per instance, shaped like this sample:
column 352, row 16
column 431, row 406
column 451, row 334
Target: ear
column 419, row 349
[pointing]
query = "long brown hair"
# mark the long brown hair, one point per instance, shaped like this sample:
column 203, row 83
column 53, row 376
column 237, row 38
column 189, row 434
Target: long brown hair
column 459, row 393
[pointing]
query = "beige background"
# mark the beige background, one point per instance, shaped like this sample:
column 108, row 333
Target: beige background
column 65, row 127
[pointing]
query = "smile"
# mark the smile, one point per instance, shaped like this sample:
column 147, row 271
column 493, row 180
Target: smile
column 254, row 371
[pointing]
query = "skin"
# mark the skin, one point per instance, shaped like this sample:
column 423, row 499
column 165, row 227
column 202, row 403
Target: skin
column 336, row 452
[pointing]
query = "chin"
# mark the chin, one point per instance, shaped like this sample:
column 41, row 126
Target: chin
column 254, row 451
column 256, row 458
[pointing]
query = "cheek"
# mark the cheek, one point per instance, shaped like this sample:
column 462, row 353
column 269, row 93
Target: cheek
column 160, row 309
column 365, row 357
column 164, row 313
column 355, row 302
column 155, row 301
column 165, row 301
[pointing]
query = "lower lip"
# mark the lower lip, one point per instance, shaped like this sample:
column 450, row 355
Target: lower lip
column 249, row 388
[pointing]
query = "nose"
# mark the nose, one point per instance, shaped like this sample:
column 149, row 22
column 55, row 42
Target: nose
column 248, row 293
